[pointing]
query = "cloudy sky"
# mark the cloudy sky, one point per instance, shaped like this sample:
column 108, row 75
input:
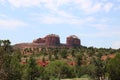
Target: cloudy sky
column 95, row 22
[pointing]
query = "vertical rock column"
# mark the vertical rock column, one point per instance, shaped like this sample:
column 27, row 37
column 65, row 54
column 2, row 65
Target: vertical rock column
column 73, row 41
column 52, row 40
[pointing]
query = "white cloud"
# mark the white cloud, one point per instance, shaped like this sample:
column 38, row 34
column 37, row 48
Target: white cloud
column 117, row 8
column 88, row 6
column 108, row 6
column 90, row 19
column 62, row 2
column 104, row 30
column 65, row 19
column 104, row 33
column 50, row 19
column 2, row 2
column 3, row 16
column 104, row 0
column 97, row 7
column 83, row 4
column 100, row 26
column 116, row 44
column 58, row 15
column 24, row 3
column 11, row 24
column 50, row 4
column 64, row 14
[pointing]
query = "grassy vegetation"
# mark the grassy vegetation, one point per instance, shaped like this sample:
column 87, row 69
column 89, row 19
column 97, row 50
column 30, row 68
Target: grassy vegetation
column 80, row 63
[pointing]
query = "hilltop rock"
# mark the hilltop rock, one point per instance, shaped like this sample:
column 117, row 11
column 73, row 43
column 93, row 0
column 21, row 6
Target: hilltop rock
column 73, row 41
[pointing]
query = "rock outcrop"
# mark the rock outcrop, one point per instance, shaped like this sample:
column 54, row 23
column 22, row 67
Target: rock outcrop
column 52, row 40
column 39, row 40
column 73, row 41
column 49, row 40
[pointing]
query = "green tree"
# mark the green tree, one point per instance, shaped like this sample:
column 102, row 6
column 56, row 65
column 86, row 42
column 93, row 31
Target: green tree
column 100, row 68
column 5, row 59
column 64, row 53
column 79, row 59
column 113, row 68
column 58, row 69
column 15, row 66
column 30, row 70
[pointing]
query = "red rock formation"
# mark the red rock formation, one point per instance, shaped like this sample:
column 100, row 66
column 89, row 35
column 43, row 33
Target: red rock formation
column 39, row 40
column 52, row 39
column 73, row 41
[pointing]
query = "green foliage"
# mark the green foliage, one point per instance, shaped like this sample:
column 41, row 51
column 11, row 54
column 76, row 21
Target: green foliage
column 15, row 67
column 58, row 69
column 100, row 68
column 30, row 70
column 64, row 53
column 79, row 59
column 10, row 68
column 113, row 68
column 87, row 61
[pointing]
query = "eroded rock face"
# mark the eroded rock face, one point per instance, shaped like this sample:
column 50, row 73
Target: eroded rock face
column 52, row 39
column 73, row 41
column 39, row 40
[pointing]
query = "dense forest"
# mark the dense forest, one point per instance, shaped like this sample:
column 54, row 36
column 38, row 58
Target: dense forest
column 58, row 63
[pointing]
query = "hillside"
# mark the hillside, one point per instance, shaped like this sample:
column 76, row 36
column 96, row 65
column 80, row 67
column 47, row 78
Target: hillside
column 32, row 60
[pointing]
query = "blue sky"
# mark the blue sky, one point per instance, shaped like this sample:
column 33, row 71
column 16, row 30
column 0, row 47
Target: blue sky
column 95, row 22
